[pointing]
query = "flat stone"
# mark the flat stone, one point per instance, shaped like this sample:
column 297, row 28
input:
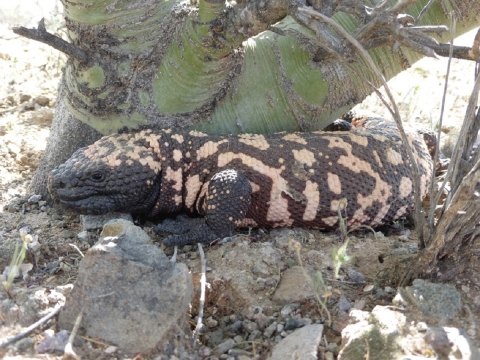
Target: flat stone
column 302, row 344
column 224, row 346
column 294, row 286
column 94, row 222
column 438, row 300
column 131, row 295
column 386, row 333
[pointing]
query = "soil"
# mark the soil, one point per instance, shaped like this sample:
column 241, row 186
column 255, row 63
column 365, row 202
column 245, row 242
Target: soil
column 29, row 76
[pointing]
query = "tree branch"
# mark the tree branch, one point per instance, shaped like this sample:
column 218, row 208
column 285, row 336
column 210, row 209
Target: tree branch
column 42, row 35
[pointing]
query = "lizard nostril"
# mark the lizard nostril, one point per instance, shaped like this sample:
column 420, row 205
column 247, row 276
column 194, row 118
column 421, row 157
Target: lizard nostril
column 62, row 185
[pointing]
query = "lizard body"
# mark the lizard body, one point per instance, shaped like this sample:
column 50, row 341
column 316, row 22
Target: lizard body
column 275, row 180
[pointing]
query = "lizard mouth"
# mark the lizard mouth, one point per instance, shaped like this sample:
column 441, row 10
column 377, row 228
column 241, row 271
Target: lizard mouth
column 93, row 202
column 92, row 205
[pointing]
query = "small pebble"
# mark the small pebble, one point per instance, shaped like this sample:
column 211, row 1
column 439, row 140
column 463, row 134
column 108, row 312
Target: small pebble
column 288, row 309
column 421, row 326
column 64, row 289
column 25, row 344
column 34, row 199
column 250, row 327
column 239, row 339
column 256, row 334
column 280, row 328
column 389, row 290
column 224, row 346
column 359, row 304
column 403, row 238
column 24, row 98
column 211, row 323
column 235, row 327
column 304, row 322
column 261, row 320
column 344, row 304
column 369, row 288
column 270, row 329
column 355, row 275
column 329, row 356
column 291, row 324
column 204, row 351
column 238, row 352
column 83, row 236
column 110, row 350
column 379, row 293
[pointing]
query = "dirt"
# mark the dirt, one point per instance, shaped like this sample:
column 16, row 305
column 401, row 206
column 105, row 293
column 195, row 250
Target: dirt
column 29, row 76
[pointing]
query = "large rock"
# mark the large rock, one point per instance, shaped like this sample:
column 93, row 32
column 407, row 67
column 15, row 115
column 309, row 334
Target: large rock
column 302, row 344
column 296, row 285
column 237, row 278
column 386, row 333
column 441, row 301
column 130, row 293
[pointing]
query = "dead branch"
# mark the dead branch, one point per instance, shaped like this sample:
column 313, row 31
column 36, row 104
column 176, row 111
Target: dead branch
column 42, row 35
column 382, row 26
column 68, row 353
column 203, row 282
column 32, row 327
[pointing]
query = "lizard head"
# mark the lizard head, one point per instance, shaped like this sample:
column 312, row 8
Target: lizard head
column 119, row 172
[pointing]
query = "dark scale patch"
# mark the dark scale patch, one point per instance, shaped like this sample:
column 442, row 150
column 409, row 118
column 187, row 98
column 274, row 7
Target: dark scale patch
column 171, row 195
column 227, row 201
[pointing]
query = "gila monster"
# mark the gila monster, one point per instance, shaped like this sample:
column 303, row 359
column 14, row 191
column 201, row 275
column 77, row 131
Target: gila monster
column 247, row 180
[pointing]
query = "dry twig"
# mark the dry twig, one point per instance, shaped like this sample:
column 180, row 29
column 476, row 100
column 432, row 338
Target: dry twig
column 203, row 282
column 32, row 327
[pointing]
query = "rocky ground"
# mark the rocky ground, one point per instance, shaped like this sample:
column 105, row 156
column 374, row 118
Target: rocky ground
column 264, row 286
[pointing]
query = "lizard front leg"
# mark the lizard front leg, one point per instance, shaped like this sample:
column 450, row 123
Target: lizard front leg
column 226, row 203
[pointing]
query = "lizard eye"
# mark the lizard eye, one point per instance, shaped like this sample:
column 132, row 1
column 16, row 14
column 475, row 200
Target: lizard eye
column 97, row 176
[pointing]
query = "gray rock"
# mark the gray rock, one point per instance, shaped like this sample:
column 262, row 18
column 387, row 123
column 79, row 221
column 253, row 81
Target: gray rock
column 83, row 236
column 344, row 304
column 302, row 344
column 34, row 199
column 25, row 345
column 288, row 309
column 204, row 351
column 291, row 324
column 270, row 329
column 238, row 352
column 294, row 286
column 94, row 222
column 224, row 347
column 215, row 337
column 386, row 333
column 378, row 334
column 304, row 321
column 130, row 293
column 355, row 275
column 54, row 343
column 450, row 342
column 235, row 327
column 280, row 328
column 250, row 326
column 254, row 335
column 262, row 320
column 238, row 339
column 438, row 300
column 231, row 278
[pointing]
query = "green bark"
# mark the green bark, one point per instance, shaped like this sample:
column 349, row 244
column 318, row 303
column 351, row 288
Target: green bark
column 171, row 65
